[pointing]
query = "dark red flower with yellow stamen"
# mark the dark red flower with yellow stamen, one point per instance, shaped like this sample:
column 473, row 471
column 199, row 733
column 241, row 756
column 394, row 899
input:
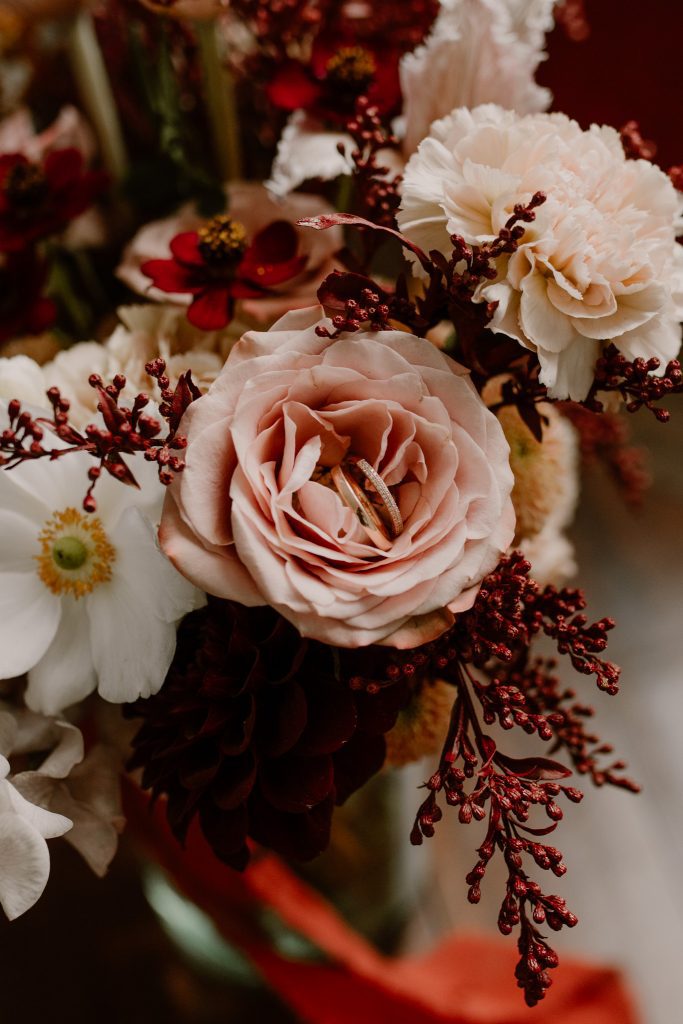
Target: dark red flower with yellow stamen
column 40, row 199
column 337, row 74
column 217, row 266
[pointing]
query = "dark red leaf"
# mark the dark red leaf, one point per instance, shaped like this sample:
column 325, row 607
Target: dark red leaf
column 533, row 767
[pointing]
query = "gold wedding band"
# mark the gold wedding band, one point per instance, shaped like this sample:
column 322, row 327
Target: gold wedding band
column 392, row 510
column 353, row 495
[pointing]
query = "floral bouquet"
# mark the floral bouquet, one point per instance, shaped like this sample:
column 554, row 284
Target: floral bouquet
column 311, row 313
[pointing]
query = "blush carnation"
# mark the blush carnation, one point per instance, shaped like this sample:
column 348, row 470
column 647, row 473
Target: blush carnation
column 251, row 518
column 478, row 51
column 599, row 263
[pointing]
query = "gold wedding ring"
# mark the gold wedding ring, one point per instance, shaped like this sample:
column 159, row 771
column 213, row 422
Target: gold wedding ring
column 392, row 510
column 353, row 495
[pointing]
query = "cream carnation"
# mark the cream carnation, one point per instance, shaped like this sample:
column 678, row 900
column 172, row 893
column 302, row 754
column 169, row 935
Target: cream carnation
column 145, row 333
column 252, row 518
column 599, row 264
column 479, row 51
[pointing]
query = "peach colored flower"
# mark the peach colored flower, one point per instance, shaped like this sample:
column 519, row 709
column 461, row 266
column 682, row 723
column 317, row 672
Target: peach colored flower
column 546, row 472
column 146, row 332
column 479, row 51
column 599, row 264
column 254, row 207
column 252, row 518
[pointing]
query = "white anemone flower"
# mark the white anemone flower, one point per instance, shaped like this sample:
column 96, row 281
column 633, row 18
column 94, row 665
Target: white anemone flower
column 24, row 827
column 86, row 600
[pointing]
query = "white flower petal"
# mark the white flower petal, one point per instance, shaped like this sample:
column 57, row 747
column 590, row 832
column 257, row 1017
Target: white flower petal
column 307, row 151
column 25, row 865
column 19, row 543
column 67, row 753
column 65, row 674
column 29, row 617
column 45, row 822
column 479, row 51
column 145, row 568
column 133, row 617
column 132, row 647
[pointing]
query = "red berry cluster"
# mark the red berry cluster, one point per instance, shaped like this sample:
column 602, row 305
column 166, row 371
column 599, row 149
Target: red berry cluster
column 126, row 431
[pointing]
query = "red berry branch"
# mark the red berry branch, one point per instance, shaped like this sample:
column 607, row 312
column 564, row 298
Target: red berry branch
column 376, row 194
column 356, row 299
column 125, row 430
column 637, row 381
column 487, row 657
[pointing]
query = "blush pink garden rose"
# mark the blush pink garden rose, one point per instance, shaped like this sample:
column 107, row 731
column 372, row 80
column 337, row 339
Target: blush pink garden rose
column 251, row 520
column 600, row 263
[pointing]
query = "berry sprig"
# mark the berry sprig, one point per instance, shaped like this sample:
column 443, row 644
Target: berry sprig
column 376, row 194
column 487, row 657
column 638, row 381
column 449, row 291
column 476, row 777
column 127, row 430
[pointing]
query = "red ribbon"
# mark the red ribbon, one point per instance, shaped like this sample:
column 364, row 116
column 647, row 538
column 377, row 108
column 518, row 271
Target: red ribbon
column 465, row 980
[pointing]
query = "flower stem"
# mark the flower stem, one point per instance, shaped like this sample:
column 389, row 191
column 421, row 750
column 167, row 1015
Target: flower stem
column 96, row 93
column 221, row 102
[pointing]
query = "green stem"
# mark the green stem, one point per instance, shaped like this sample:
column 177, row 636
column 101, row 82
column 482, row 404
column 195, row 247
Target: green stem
column 221, row 101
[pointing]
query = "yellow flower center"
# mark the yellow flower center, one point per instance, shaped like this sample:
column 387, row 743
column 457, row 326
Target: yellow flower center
column 222, row 239
column 75, row 553
column 352, row 65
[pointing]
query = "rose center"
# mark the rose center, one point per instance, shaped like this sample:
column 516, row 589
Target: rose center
column 222, row 241
column 24, row 187
column 352, row 67
column 76, row 554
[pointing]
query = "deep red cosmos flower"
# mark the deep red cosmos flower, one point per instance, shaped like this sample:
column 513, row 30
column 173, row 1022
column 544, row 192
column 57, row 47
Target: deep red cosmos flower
column 40, row 199
column 24, row 309
column 338, row 73
column 218, row 266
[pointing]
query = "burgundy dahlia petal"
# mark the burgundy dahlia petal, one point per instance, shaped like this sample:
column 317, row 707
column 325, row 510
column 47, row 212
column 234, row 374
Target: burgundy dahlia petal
column 254, row 732
column 297, row 836
column 294, row 784
column 356, row 762
column 332, row 719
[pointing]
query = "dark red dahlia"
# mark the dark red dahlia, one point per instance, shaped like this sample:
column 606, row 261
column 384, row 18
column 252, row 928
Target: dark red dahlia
column 217, row 266
column 39, row 199
column 255, row 732
column 338, row 73
column 24, row 309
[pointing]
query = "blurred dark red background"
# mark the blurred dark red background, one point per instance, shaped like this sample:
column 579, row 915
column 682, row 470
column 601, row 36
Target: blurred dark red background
column 629, row 67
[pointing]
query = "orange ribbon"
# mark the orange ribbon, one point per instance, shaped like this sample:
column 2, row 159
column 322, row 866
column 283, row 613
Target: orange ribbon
column 465, row 980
